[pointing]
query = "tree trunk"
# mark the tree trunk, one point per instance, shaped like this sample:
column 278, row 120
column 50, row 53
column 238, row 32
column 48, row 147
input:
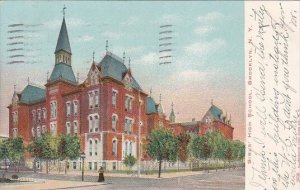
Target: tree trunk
column 66, row 166
column 18, row 166
column 47, row 166
column 159, row 168
column 34, row 165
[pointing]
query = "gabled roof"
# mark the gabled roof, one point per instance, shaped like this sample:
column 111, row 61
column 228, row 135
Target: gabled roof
column 32, row 94
column 63, row 39
column 151, row 106
column 62, row 71
column 216, row 112
column 113, row 66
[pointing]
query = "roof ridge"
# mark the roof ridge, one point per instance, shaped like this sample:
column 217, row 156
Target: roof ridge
column 36, row 85
column 115, row 57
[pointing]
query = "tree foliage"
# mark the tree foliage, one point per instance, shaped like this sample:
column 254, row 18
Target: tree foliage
column 162, row 145
column 183, row 141
column 129, row 161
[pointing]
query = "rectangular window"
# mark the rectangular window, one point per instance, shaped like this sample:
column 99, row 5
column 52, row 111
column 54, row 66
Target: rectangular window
column 68, row 105
column 53, row 106
column 74, row 165
column 96, row 127
column 15, row 117
column 114, row 99
column 44, row 114
column 68, row 125
column 95, row 165
column 90, row 165
column 91, row 147
column 44, row 129
column 126, row 103
column 130, row 104
column 90, row 124
column 75, row 127
column 114, row 165
column 114, row 122
column 38, row 131
column 75, row 107
column 53, row 128
column 96, row 98
column 91, row 100
column 33, row 117
column 39, row 116
column 15, row 132
column 96, row 147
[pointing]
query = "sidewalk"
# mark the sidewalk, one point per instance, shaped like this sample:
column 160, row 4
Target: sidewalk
column 48, row 184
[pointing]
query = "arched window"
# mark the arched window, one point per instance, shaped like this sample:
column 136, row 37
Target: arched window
column 96, row 147
column 33, row 132
column 130, row 148
column 126, row 148
column 114, row 122
column 91, row 124
column 91, row 147
column 114, row 147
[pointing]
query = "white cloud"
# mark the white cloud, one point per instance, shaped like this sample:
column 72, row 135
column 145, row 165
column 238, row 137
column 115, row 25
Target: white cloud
column 169, row 19
column 71, row 23
column 189, row 75
column 150, row 58
column 204, row 48
column 85, row 38
column 130, row 21
column 204, row 29
column 210, row 17
column 111, row 35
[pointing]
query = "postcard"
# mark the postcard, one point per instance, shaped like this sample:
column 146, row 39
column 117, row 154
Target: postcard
column 149, row 95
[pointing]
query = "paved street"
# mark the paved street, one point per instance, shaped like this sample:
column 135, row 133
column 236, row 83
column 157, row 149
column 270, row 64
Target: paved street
column 226, row 180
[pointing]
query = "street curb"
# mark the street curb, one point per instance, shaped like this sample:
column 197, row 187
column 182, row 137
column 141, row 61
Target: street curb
column 80, row 186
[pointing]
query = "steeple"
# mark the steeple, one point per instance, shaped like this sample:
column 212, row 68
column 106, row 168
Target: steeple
column 63, row 49
column 172, row 115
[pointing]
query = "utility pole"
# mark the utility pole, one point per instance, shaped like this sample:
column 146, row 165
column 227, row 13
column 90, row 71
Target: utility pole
column 139, row 135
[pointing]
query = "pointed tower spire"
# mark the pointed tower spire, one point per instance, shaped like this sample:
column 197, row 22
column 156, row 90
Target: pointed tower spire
column 212, row 102
column 93, row 56
column 28, row 81
column 129, row 61
column 123, row 56
column 172, row 114
column 159, row 98
column 63, row 49
column 106, row 46
column 15, row 86
column 151, row 92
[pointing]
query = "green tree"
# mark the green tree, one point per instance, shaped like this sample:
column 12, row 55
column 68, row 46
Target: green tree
column 45, row 148
column 68, row 148
column 129, row 161
column 16, row 151
column 183, row 141
column 162, row 145
column 4, row 152
column 228, row 152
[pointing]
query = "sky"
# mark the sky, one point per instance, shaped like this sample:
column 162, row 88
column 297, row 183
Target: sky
column 207, row 50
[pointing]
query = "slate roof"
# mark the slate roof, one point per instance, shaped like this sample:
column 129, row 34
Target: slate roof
column 63, row 39
column 216, row 112
column 62, row 71
column 32, row 94
column 151, row 105
column 113, row 66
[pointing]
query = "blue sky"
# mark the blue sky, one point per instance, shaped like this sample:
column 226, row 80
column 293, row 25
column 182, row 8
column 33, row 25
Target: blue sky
column 208, row 49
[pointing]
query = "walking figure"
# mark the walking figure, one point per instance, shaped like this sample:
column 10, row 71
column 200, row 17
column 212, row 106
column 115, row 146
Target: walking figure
column 101, row 174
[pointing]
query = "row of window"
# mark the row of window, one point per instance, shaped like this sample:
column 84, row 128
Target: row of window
column 38, row 115
column 94, row 99
column 93, row 123
column 38, row 131
column 75, row 127
column 75, row 107
column 93, row 147
column 15, row 117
